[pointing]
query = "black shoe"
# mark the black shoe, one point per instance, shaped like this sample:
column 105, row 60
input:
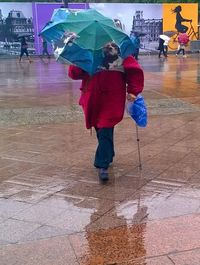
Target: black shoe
column 103, row 174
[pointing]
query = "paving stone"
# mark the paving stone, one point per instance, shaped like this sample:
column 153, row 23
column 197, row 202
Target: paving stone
column 45, row 252
column 50, row 189
column 13, row 231
column 9, row 208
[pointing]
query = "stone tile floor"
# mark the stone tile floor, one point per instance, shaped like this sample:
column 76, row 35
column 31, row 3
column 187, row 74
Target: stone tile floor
column 54, row 211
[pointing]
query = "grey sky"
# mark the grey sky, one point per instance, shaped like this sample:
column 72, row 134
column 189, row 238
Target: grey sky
column 26, row 8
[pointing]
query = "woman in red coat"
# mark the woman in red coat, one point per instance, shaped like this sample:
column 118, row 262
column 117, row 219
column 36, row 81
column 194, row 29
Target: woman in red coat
column 103, row 97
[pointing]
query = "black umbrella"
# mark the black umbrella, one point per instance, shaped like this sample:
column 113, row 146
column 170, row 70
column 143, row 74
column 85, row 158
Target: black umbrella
column 139, row 34
column 21, row 35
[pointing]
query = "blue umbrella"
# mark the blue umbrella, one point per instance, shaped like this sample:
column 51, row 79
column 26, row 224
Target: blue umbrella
column 89, row 60
column 53, row 30
column 84, row 35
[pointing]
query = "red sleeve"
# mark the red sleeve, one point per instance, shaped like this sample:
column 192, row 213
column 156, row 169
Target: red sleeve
column 76, row 73
column 134, row 76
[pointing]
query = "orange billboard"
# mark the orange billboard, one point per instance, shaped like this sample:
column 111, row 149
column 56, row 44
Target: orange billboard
column 180, row 18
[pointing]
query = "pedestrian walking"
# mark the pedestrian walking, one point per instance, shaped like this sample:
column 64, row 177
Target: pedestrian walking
column 183, row 40
column 181, row 48
column 165, row 44
column 161, row 48
column 24, row 49
column 136, row 41
column 45, row 48
column 103, row 97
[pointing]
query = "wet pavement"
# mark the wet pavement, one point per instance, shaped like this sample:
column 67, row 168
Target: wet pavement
column 54, row 211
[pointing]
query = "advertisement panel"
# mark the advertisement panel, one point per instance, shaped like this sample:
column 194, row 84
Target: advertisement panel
column 42, row 14
column 16, row 20
column 147, row 21
column 180, row 18
column 144, row 19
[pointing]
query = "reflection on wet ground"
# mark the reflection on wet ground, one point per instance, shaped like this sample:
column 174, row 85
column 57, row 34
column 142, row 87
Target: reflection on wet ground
column 53, row 210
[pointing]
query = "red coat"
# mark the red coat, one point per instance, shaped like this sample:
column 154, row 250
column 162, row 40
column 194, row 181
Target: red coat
column 103, row 95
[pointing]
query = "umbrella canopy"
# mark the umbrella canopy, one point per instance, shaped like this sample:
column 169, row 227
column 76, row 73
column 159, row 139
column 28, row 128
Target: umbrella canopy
column 164, row 37
column 86, row 32
column 54, row 29
column 183, row 38
column 139, row 34
column 90, row 61
column 21, row 35
column 170, row 33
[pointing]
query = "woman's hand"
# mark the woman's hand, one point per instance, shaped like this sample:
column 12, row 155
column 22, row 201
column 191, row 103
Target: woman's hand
column 130, row 97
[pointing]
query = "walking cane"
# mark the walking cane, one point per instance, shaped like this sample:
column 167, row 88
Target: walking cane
column 138, row 145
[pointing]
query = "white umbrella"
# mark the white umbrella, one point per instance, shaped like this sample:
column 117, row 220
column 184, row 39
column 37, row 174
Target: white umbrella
column 164, row 37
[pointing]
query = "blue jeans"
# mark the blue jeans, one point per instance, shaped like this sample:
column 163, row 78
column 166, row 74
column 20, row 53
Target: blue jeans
column 105, row 149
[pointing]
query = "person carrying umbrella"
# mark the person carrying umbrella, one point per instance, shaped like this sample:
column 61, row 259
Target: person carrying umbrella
column 163, row 42
column 103, row 97
column 99, row 54
column 44, row 48
column 136, row 41
column 183, row 40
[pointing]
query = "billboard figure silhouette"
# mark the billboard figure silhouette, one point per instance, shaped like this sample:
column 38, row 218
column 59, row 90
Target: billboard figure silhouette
column 179, row 19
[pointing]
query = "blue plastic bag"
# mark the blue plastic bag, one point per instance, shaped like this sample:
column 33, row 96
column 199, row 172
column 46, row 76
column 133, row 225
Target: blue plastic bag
column 138, row 111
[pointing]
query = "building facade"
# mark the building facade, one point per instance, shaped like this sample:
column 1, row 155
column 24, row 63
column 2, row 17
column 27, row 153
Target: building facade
column 17, row 24
column 150, row 28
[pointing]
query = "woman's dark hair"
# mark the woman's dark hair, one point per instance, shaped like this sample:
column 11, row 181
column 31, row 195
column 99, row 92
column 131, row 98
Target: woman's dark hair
column 177, row 9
